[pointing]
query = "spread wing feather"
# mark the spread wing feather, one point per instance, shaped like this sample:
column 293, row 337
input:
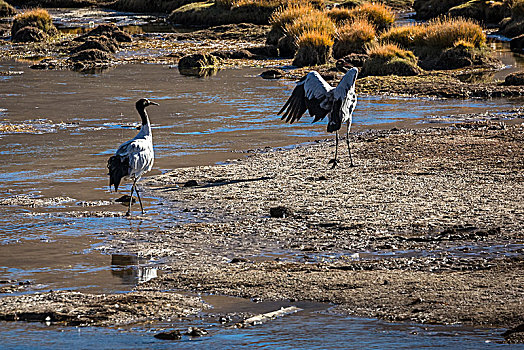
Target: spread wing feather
column 313, row 94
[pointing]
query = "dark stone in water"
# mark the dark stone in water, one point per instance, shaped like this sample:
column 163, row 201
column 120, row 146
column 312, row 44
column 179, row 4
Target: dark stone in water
column 515, row 79
column 265, row 51
column 237, row 260
column 29, row 34
column 101, row 43
column 172, row 335
column 272, row 74
column 517, row 44
column 107, row 30
column 514, row 335
column 92, row 55
column 191, row 183
column 198, row 60
column 280, row 212
column 195, row 332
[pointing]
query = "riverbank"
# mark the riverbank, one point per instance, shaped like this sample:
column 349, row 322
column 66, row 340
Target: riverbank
column 427, row 228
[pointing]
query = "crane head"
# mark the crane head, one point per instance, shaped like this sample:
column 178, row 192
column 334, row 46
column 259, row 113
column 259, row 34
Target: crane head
column 144, row 102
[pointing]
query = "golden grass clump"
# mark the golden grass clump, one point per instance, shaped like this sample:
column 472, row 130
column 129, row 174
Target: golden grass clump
column 353, row 37
column 380, row 15
column 405, row 36
column 388, row 51
column 316, row 21
column 442, row 33
column 387, row 59
column 38, row 18
column 314, row 48
column 339, row 15
column 285, row 15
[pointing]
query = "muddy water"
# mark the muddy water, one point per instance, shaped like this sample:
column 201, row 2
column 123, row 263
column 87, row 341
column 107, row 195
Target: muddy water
column 69, row 124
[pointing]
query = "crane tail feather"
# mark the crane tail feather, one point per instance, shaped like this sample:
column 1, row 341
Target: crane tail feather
column 118, row 168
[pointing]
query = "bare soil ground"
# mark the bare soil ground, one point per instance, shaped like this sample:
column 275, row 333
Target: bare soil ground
column 428, row 227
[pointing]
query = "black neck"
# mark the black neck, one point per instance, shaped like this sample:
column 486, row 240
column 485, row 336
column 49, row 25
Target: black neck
column 141, row 110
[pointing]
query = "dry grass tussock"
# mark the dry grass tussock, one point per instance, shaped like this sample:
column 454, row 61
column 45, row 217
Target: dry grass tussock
column 441, row 33
column 380, row 15
column 317, row 21
column 389, row 51
column 314, row 48
column 38, row 18
column 353, row 37
column 285, row 15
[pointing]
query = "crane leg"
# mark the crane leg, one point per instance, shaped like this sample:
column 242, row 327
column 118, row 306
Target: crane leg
column 139, row 200
column 349, row 148
column 334, row 161
column 131, row 198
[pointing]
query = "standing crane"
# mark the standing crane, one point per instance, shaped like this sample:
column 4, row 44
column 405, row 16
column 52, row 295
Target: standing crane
column 315, row 95
column 134, row 157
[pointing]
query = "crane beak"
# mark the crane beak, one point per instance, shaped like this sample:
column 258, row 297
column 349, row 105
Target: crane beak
column 153, row 103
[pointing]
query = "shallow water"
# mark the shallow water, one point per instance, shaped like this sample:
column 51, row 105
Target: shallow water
column 74, row 122
column 304, row 330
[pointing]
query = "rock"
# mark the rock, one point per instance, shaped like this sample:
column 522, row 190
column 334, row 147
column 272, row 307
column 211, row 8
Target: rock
column 481, row 10
column 29, row 34
column 272, row 74
column 191, row 183
column 426, row 9
column 172, row 335
column 280, row 212
column 195, row 332
column 265, row 51
column 198, row 60
column 109, row 31
column 308, row 55
column 514, row 335
column 517, row 44
column 237, row 260
column 515, row 79
column 354, row 60
column 233, row 54
column 92, row 55
column 101, row 43
column 286, row 46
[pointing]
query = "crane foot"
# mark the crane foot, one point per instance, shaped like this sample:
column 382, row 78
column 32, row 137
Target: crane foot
column 334, row 162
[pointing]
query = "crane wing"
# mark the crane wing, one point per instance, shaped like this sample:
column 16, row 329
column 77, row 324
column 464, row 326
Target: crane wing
column 313, row 94
column 345, row 101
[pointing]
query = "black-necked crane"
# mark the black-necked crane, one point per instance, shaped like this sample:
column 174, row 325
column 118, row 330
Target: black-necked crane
column 135, row 157
column 315, row 95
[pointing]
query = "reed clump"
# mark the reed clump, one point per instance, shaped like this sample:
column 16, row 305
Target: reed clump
column 442, row 33
column 353, row 37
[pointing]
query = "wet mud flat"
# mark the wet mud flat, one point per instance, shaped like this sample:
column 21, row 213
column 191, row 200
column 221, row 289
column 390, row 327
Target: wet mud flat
column 426, row 228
